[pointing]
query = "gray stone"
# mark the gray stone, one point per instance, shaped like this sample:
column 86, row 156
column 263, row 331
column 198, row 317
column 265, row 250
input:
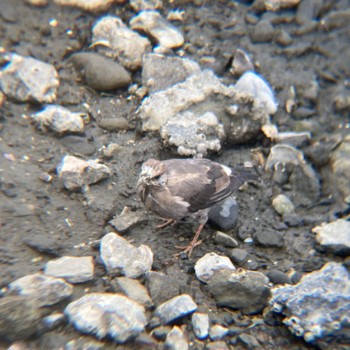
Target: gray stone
column 217, row 345
column 27, row 79
column 176, row 340
column 175, row 308
column 160, row 72
column 217, row 332
column 224, row 214
column 161, row 287
column 334, row 236
column 269, row 238
column 318, row 307
column 127, row 220
column 225, row 239
column 249, row 341
column 241, row 63
column 134, row 290
column 76, row 172
column 283, row 205
column 239, row 256
column 53, row 321
column 253, row 84
column 192, row 135
column 122, row 258
column 73, row 269
column 46, row 289
column 247, row 291
column 263, row 32
column 116, row 40
column 84, row 343
column 200, row 324
column 158, row 28
column 293, row 138
column 140, row 5
column 59, row 119
column 278, row 277
column 105, row 314
column 100, row 73
column 207, row 265
column 276, row 5
column 20, row 317
column 94, row 6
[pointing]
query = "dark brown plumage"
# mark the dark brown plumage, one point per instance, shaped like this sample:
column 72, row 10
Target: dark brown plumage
column 177, row 189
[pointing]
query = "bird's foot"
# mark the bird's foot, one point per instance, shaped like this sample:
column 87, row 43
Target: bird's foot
column 188, row 249
column 167, row 223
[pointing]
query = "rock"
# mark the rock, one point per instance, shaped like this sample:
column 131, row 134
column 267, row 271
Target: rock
column 175, row 308
column 283, row 205
column 122, row 258
column 217, row 345
column 160, row 72
column 161, row 287
column 225, row 240
column 117, row 41
column 20, row 317
column 87, row 5
column 259, row 89
column 133, row 289
column 49, row 245
column 224, row 214
column 105, row 314
column 241, row 63
column 276, row 5
column 278, row 277
column 283, row 38
column 156, row 109
column 161, row 332
column 269, row 238
column 318, row 307
column 145, row 341
column 59, row 119
column 334, row 236
column 200, row 324
column 140, row 5
column 239, row 256
column 217, row 332
column 247, row 291
column 76, row 172
column 53, row 321
column 100, row 73
column 39, row 3
column 249, row 341
column 158, row 29
column 193, row 135
column 127, row 220
column 176, row 340
column 79, row 146
column 296, row 139
column 84, row 344
column 73, row 269
column 289, row 166
column 263, row 32
column 26, row 79
column 46, row 290
column 207, row 265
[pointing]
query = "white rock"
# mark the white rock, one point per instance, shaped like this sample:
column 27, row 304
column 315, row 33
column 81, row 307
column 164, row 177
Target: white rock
column 206, row 266
column 120, row 257
column 106, row 314
column 334, row 235
column 76, row 172
column 116, row 40
column 87, row 5
column 175, row 340
column 48, row 290
column 276, row 5
column 158, row 28
column 200, row 324
column 59, row 119
column 217, row 332
column 283, row 205
column 193, row 135
column 139, row 5
column 27, row 79
column 72, row 268
column 258, row 88
column 175, row 308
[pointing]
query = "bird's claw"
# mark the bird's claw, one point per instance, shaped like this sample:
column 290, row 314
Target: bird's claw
column 165, row 224
column 188, row 249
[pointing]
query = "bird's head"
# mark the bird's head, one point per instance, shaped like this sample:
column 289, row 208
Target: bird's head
column 152, row 173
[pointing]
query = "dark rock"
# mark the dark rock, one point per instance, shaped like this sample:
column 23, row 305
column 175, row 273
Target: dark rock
column 114, row 124
column 161, row 332
column 49, row 245
column 145, row 341
column 293, row 220
column 79, row 145
column 225, row 240
column 100, row 73
column 278, row 277
column 239, row 256
column 249, row 341
column 224, row 215
column 247, row 291
column 269, row 238
column 283, row 38
column 263, row 32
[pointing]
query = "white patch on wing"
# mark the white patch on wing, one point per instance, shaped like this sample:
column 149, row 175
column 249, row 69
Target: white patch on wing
column 181, row 201
column 227, row 170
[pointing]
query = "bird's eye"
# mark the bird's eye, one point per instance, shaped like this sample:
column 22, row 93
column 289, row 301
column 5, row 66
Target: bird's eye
column 157, row 177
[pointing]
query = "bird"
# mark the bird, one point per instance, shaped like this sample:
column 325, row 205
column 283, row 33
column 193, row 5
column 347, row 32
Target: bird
column 182, row 189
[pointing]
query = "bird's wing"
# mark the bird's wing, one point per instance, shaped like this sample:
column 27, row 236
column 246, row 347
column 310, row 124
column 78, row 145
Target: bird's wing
column 202, row 183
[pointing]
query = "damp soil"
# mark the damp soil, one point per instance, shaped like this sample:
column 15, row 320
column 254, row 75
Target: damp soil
column 41, row 220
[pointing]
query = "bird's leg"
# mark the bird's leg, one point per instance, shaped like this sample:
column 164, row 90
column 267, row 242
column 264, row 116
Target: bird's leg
column 167, row 223
column 194, row 243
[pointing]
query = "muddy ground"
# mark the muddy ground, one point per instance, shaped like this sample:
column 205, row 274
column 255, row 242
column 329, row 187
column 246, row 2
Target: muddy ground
column 42, row 220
